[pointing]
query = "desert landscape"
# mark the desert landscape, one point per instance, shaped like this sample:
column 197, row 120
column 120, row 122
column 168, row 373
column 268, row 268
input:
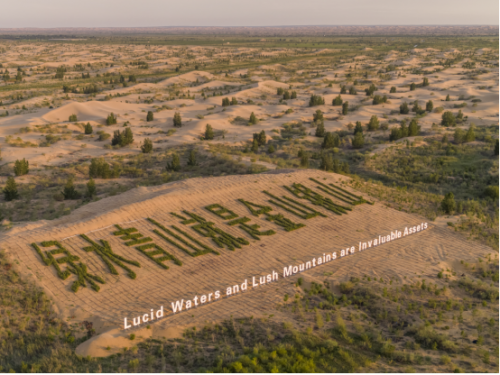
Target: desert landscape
column 182, row 202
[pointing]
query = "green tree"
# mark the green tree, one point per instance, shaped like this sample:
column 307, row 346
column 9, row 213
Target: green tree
column 425, row 82
column 393, row 90
column 413, row 86
column 304, row 160
column 345, row 108
column 175, row 164
column 88, row 128
column 21, row 167
column 316, row 100
column 149, row 116
column 326, row 162
column 132, row 78
column 320, row 129
column 255, row 145
column 447, row 98
column 337, row 100
column 209, row 132
column 358, row 141
column 69, row 191
column 429, row 106
column 413, row 128
column 358, row 128
column 253, row 119
column 286, row 95
column 271, row 149
column 192, row 159
column 225, row 102
column 234, row 101
column 352, row 91
column 294, row 95
column 147, row 146
column 73, row 118
column 177, row 120
column 91, row 189
column 331, row 140
column 470, row 136
column 111, row 119
column 447, row 119
column 261, row 138
column 448, row 204
column 373, row 124
column 10, row 190
column 318, row 116
column 404, row 109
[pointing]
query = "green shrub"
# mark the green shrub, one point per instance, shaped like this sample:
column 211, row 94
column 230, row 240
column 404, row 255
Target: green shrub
column 316, row 100
column 10, row 190
column 69, row 191
column 73, row 118
column 177, row 120
column 111, row 119
column 175, row 164
column 448, row 205
column 447, row 119
column 147, row 146
column 149, row 116
column 21, row 167
column 88, row 128
column 209, row 132
column 337, row 101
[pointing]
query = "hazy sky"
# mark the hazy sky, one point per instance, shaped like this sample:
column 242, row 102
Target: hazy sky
column 143, row 13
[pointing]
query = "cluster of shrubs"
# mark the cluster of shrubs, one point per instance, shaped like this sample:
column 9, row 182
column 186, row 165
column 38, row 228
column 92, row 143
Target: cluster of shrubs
column 99, row 168
column 226, row 102
column 316, row 100
column 122, row 139
column 403, row 131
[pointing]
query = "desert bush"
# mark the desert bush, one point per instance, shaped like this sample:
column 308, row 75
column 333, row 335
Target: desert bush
column 99, row 168
column 192, row 159
column 331, row 140
column 147, row 146
column 88, row 128
column 111, row 119
column 337, row 100
column 122, row 139
column 404, row 109
column 429, row 106
column 175, row 164
column 448, row 205
column 345, row 108
column 373, row 124
column 316, row 100
column 209, row 132
column 21, row 167
column 320, row 130
column 358, row 141
column 393, row 90
column 253, row 119
column 149, row 116
column 10, row 189
column 72, row 118
column 91, row 189
column 177, row 120
column 447, row 119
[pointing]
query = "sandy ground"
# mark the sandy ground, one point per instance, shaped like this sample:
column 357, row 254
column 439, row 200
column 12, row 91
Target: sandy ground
column 423, row 253
column 197, row 113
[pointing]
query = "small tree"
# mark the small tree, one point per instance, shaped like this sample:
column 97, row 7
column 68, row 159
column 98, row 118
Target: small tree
column 132, row 78
column 425, row 82
column 413, row 87
column 304, row 160
column 271, row 149
column 447, row 98
column 111, row 119
column 358, row 141
column 261, row 138
column 470, row 136
column 331, row 140
column 448, row 204
column 326, row 162
column 225, row 102
column 192, row 159
column 69, row 191
column 234, row 101
column 352, row 91
column 177, row 120
column 345, row 108
column 447, row 119
column 253, row 119
column 404, row 109
column 459, row 136
column 294, row 95
column 393, row 90
column 343, row 90
column 175, row 164
column 373, row 124
column 320, row 130
column 413, row 128
column 73, row 118
column 286, row 95
column 337, row 100
column 21, row 167
column 318, row 116
column 91, row 189
column 147, row 146
column 149, row 116
column 358, row 128
column 316, row 100
column 255, row 145
column 429, row 106
column 10, row 190
column 209, row 132
column 88, row 128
